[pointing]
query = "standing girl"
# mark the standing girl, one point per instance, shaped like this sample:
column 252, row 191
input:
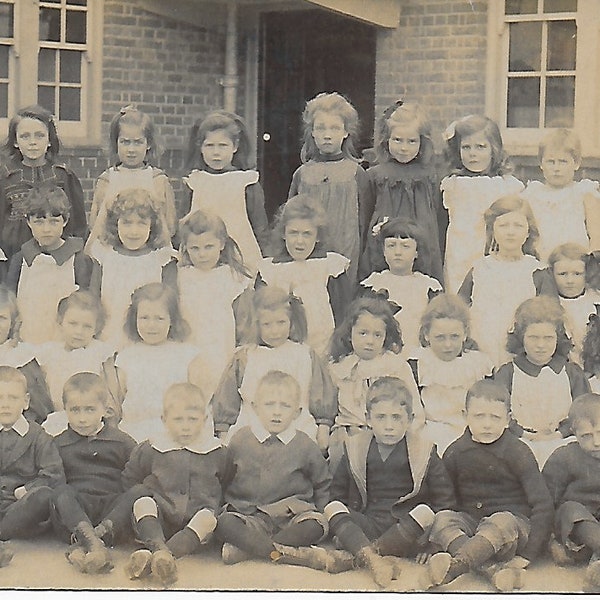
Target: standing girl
column 541, row 381
column 134, row 143
column 446, row 366
column 480, row 174
column 400, row 244
column 224, row 183
column 132, row 249
column 30, row 153
column 503, row 278
column 331, row 173
column 303, row 266
column 363, row 348
column 209, row 277
column 404, row 184
column 276, row 344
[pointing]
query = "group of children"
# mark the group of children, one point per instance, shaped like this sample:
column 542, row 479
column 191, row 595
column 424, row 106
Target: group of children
column 415, row 360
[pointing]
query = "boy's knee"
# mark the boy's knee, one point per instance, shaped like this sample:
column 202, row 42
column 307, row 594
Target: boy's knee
column 573, row 512
column 423, row 515
column 502, row 529
column 203, row 523
column 144, row 507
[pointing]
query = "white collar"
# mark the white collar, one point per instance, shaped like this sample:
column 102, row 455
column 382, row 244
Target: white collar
column 261, row 434
column 203, row 445
column 21, row 426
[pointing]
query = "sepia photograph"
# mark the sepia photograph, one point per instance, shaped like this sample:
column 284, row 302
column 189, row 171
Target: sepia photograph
column 300, row 295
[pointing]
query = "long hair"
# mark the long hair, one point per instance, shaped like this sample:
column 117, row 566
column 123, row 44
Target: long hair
column 131, row 115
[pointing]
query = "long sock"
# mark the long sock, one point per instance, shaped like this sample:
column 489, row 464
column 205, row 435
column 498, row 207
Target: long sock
column 400, row 539
column 304, row 533
column 67, row 506
column 149, row 531
column 588, row 534
column 350, row 535
column 476, row 551
column 232, row 529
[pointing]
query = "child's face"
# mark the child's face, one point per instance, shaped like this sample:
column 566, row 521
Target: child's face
column 300, row 237
column 404, row 143
column 558, row 167
column 389, row 421
column 153, row 321
column 487, row 419
column 204, row 250
column 14, row 399
column 476, row 152
column 368, row 336
column 400, row 254
column 446, row 338
column 132, row 145
column 47, row 230
column 32, row 141
column 510, row 232
column 218, row 149
column 85, row 412
column 539, row 341
column 184, row 424
column 78, row 327
column 588, row 436
column 274, row 326
column 329, row 132
column 133, row 231
column 570, row 277
column 5, row 323
column 276, row 407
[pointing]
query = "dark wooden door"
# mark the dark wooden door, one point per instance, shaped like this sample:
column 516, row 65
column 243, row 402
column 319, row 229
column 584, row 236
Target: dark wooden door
column 303, row 53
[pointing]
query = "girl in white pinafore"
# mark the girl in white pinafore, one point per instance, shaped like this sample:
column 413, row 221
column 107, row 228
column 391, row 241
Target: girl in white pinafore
column 220, row 147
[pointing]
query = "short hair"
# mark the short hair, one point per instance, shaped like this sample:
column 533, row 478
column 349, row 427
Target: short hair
column 390, row 388
column 188, row 394
column 84, row 300
column 10, row 374
column 276, row 378
column 561, row 139
column 48, row 200
column 83, row 383
column 568, row 251
column 585, row 408
column 445, row 306
column 490, row 390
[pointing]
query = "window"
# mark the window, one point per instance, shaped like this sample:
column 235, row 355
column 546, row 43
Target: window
column 542, row 67
column 50, row 55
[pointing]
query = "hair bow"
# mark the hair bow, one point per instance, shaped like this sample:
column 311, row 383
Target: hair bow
column 450, row 131
column 128, row 108
column 377, row 227
column 391, row 109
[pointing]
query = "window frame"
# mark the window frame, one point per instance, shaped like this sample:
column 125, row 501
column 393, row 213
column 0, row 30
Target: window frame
column 524, row 141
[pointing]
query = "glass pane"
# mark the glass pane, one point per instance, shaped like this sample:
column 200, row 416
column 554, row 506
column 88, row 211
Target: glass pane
column 4, row 61
column 76, row 27
column 562, row 45
column 560, row 6
column 52, row 1
column 3, row 100
column 47, row 65
column 6, row 20
column 523, row 102
column 50, row 24
column 77, row 2
column 46, row 97
column 70, row 104
column 560, row 101
column 520, row 7
column 70, row 66
column 524, row 53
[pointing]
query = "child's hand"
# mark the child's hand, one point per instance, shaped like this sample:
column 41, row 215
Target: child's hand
column 323, row 438
column 20, row 492
column 423, row 557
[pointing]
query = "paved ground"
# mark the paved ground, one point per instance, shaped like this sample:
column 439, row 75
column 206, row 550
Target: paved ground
column 41, row 564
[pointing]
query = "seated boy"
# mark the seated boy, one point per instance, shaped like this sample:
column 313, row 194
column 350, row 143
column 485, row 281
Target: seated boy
column 49, row 266
column 276, row 486
column 177, row 479
column 30, row 465
column 94, row 455
column 505, row 510
column 573, row 477
column 388, row 484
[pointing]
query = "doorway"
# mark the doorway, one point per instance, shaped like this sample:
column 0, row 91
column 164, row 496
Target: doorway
column 301, row 54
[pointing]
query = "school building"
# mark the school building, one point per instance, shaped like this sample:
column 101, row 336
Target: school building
column 528, row 64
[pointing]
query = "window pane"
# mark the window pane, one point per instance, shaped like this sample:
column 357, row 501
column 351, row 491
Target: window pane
column 562, row 45
column 560, row 101
column 6, row 20
column 77, row 2
column 70, row 104
column 50, row 24
column 3, row 100
column 46, row 97
column 523, row 102
column 520, row 7
column 4, row 62
column 525, row 49
column 76, row 27
column 46, row 65
column 70, row 66
column 560, row 6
